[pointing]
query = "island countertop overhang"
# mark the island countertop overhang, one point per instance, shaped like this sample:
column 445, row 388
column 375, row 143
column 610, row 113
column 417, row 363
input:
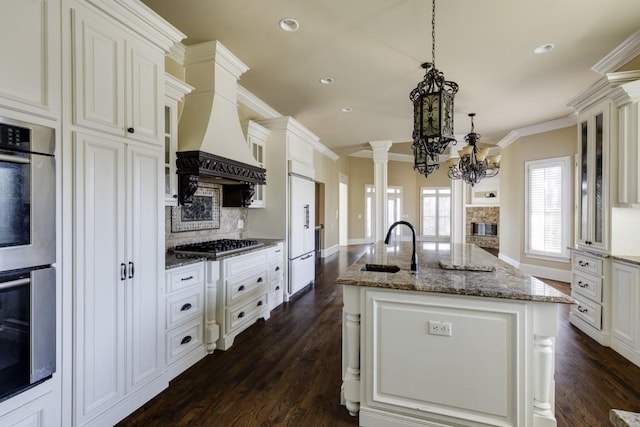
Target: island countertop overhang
column 504, row 282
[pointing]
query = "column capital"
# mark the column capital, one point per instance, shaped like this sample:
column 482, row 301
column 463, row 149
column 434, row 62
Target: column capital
column 380, row 150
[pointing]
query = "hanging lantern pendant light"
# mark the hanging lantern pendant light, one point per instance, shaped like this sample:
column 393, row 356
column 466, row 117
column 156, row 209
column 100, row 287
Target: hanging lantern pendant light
column 432, row 112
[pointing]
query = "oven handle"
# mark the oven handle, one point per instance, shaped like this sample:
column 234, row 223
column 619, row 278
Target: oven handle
column 13, row 283
column 14, row 159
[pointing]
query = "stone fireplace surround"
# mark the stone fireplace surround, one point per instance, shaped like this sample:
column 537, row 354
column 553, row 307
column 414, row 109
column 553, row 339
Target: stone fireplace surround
column 482, row 215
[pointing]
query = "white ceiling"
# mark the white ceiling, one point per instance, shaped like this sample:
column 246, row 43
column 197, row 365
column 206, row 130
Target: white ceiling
column 373, row 49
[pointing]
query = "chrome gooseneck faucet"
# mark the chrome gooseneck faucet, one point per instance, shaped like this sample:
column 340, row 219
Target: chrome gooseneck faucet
column 414, row 263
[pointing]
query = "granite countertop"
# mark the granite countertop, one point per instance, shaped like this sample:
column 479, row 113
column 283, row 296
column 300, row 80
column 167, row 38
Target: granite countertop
column 467, row 273
column 624, row 419
column 627, row 258
column 173, row 260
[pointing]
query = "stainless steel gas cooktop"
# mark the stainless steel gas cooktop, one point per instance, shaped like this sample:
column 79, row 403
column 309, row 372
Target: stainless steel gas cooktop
column 217, row 247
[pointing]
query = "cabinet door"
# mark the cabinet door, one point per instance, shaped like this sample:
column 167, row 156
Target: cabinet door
column 99, row 226
column 583, row 190
column 625, row 303
column 145, row 94
column 170, row 148
column 98, row 72
column 310, row 203
column 297, row 216
column 28, row 79
column 145, row 246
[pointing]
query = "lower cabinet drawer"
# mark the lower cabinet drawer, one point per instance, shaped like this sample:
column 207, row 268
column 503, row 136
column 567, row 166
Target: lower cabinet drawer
column 244, row 313
column 239, row 287
column 183, row 339
column 587, row 310
column 587, row 264
column 184, row 305
column 587, row 285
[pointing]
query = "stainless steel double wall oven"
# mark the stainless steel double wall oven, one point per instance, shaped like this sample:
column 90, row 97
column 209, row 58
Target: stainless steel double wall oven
column 27, row 252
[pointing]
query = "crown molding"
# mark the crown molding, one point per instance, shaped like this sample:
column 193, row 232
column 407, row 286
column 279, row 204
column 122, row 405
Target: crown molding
column 255, row 130
column 175, row 88
column 551, row 125
column 255, row 104
column 176, row 53
column 623, row 53
column 215, row 51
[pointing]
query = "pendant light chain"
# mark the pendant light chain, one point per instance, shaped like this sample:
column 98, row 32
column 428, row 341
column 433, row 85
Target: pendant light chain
column 433, row 33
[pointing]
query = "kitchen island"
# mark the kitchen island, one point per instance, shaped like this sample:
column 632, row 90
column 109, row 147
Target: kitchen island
column 466, row 340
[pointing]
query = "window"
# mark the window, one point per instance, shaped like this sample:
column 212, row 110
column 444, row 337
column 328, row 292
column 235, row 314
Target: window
column 435, row 212
column 547, row 205
column 394, row 210
column 370, row 212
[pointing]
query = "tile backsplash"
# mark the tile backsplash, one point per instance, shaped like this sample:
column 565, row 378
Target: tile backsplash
column 229, row 219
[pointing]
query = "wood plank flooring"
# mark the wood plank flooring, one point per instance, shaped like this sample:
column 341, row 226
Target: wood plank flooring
column 286, row 371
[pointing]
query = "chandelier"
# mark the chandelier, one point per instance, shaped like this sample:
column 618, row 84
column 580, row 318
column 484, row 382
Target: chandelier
column 432, row 112
column 474, row 164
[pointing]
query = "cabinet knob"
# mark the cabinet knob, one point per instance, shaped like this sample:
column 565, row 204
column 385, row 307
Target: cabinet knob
column 186, row 307
column 259, row 279
column 259, row 303
column 241, row 288
column 131, row 130
column 277, row 268
column 175, row 196
column 277, row 288
column 241, row 315
column 185, row 340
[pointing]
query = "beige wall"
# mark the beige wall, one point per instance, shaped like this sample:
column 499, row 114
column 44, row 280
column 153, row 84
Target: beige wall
column 360, row 174
column 327, row 177
column 557, row 143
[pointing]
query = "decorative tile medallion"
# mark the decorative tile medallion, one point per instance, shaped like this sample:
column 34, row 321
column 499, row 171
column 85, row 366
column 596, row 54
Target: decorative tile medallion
column 202, row 214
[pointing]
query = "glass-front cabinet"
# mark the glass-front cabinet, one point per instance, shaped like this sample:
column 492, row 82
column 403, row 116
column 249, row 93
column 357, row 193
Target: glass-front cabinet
column 175, row 90
column 256, row 136
column 592, row 231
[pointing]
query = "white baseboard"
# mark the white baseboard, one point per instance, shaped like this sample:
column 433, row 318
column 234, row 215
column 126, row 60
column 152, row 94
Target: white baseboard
column 364, row 241
column 327, row 252
column 508, row 260
column 546, row 272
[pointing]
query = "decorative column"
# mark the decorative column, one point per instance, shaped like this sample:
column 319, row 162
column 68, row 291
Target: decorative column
column 380, row 159
column 351, row 312
column 458, row 211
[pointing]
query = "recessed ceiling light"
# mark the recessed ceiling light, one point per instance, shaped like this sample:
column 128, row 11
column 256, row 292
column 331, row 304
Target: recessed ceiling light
column 326, row 80
column 544, row 48
column 289, row 24
column 347, row 109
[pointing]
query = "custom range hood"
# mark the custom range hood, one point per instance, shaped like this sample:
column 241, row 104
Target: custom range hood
column 211, row 144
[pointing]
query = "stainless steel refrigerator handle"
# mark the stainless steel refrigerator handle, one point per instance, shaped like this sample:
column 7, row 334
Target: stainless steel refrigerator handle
column 14, row 159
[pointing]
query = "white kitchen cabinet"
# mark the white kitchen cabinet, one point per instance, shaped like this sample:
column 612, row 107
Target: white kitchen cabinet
column 175, row 90
column 290, row 151
column 119, row 274
column 118, row 79
column 276, row 276
column 625, row 312
column 594, row 135
column 242, row 294
column 627, row 98
column 184, row 305
column 591, row 287
column 256, row 137
column 30, row 77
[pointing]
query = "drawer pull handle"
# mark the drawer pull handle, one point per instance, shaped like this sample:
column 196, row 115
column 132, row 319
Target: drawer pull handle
column 259, row 279
column 131, row 130
column 259, row 304
column 277, row 288
column 185, row 307
column 185, row 340
column 583, row 263
column 241, row 315
column 306, row 257
column 187, row 278
column 278, row 268
column 582, row 310
column 241, row 288
column 583, row 285
column 278, row 250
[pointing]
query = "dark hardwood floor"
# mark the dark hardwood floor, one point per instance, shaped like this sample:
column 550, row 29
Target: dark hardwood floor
column 286, row 371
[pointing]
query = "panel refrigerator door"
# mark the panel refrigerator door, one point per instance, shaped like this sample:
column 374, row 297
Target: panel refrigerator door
column 301, row 272
column 310, row 223
column 299, row 214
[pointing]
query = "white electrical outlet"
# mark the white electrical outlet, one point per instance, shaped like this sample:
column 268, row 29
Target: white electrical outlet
column 240, row 223
column 436, row 327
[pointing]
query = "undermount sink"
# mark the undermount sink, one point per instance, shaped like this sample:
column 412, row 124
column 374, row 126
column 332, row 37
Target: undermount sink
column 381, row 268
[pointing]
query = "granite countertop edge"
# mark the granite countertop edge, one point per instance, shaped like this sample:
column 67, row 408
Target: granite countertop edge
column 630, row 259
column 505, row 282
column 621, row 418
column 173, row 260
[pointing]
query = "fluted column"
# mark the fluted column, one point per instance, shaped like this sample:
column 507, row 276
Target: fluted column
column 380, row 159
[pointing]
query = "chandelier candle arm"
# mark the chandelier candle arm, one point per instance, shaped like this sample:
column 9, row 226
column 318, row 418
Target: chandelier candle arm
column 474, row 164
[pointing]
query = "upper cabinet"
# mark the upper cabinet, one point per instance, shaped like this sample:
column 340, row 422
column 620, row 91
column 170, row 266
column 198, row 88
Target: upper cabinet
column 256, row 137
column 175, row 90
column 118, row 80
column 30, row 77
column 627, row 97
column 594, row 135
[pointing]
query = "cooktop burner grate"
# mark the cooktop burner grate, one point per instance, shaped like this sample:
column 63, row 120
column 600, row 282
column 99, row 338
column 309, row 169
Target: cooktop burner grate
column 217, row 247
